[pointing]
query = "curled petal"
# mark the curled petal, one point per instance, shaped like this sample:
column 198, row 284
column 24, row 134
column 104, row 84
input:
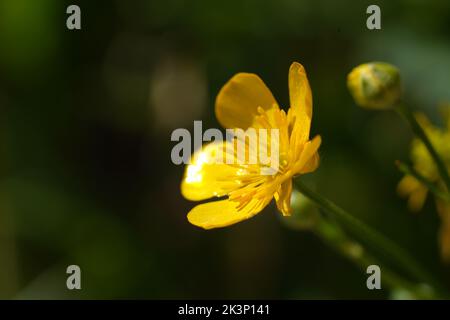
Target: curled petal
column 309, row 159
column 312, row 164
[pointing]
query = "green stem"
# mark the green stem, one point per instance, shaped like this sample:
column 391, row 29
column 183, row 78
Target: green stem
column 335, row 237
column 371, row 236
column 420, row 133
column 403, row 167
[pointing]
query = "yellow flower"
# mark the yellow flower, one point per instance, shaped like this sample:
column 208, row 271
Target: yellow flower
column 423, row 163
column 375, row 85
column 245, row 102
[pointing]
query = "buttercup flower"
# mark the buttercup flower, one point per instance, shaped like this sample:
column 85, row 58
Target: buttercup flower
column 245, row 102
column 375, row 85
column 423, row 163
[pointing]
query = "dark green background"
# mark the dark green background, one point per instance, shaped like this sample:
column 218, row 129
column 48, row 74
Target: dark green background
column 85, row 124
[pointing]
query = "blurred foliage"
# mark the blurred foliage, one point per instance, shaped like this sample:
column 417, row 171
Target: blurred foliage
column 85, row 123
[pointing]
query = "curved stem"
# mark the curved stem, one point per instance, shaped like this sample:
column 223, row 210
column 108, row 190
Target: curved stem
column 371, row 236
column 335, row 237
column 420, row 133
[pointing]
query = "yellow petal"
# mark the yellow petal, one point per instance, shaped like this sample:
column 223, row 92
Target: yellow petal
column 312, row 164
column 283, row 198
column 238, row 101
column 207, row 175
column 308, row 160
column 299, row 90
column 412, row 188
column 407, row 185
column 223, row 213
column 417, row 199
column 301, row 100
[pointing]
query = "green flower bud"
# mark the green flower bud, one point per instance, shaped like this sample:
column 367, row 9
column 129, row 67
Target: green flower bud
column 375, row 85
